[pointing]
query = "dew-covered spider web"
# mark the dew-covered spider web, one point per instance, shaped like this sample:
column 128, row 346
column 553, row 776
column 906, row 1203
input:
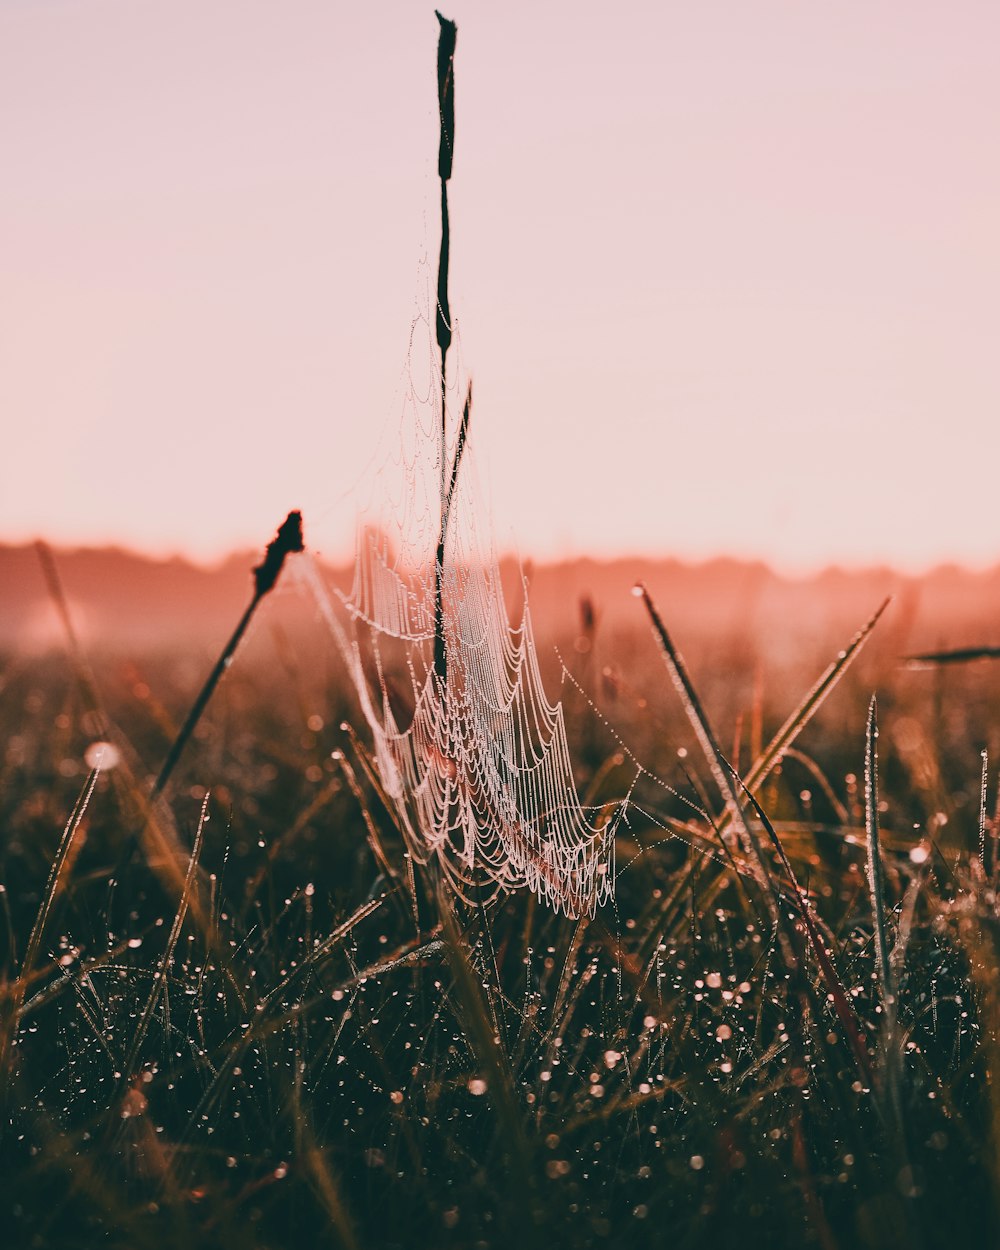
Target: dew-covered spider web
column 469, row 750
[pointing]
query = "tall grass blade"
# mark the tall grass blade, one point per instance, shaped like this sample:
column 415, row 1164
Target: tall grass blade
column 56, row 873
column 695, row 712
column 983, row 787
column 884, row 964
column 13, row 1000
column 876, row 878
column 887, row 966
column 160, row 976
column 371, row 830
column 96, row 720
column 811, row 704
column 717, row 764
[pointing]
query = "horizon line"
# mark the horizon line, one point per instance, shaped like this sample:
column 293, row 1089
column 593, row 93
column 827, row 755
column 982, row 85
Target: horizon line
column 784, row 570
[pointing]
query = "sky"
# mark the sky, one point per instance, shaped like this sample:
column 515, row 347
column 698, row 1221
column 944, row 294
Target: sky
column 726, row 274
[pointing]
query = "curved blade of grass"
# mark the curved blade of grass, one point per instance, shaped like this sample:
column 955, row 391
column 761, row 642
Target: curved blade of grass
column 811, row 704
column 821, row 779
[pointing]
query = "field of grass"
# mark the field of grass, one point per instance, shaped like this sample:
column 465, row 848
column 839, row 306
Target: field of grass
column 235, row 1011
column 265, row 1026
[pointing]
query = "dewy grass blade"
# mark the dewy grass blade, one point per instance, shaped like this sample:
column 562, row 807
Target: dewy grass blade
column 55, row 873
column 876, row 878
column 890, row 1068
column 15, row 999
column 983, row 787
column 717, row 763
column 159, row 978
column 695, row 712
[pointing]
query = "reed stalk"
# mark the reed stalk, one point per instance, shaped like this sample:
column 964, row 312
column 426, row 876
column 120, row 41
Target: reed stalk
column 446, row 149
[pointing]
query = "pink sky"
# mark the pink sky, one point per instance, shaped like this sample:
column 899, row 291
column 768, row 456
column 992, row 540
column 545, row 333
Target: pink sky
column 727, row 274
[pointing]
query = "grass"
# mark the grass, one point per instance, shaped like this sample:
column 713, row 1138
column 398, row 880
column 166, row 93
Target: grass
column 300, row 1034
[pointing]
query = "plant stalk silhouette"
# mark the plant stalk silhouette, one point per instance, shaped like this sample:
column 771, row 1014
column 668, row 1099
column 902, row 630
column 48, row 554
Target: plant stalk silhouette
column 446, row 148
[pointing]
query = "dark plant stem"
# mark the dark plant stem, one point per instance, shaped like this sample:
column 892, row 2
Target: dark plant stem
column 287, row 540
column 440, row 651
column 963, row 655
column 199, row 705
column 446, row 108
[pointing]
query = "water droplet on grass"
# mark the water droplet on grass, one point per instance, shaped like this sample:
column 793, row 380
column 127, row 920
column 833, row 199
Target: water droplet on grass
column 103, row 755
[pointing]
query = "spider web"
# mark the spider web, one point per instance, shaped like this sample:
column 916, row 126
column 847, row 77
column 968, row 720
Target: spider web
column 471, row 753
